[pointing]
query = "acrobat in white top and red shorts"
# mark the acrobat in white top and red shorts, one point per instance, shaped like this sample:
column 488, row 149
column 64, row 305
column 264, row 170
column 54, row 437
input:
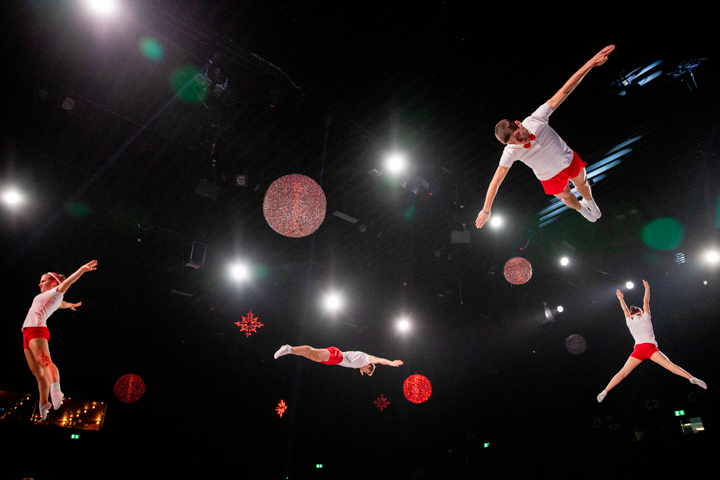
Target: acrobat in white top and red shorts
column 640, row 324
column 333, row 356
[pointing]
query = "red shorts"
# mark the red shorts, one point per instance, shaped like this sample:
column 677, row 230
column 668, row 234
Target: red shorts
column 558, row 183
column 644, row 351
column 335, row 356
column 34, row 332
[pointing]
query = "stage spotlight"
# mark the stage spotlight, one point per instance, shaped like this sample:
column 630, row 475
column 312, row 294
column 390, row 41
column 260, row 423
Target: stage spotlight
column 403, row 324
column 712, row 257
column 629, row 285
column 395, row 163
column 564, row 261
column 240, row 271
column 560, row 308
column 495, row 222
column 12, row 198
column 104, row 8
column 333, row 302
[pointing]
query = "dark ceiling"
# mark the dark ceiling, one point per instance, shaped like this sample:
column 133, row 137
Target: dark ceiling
column 328, row 90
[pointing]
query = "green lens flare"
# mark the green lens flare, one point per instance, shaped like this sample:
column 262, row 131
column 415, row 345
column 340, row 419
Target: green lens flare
column 151, row 48
column 663, row 234
column 186, row 86
column 78, row 210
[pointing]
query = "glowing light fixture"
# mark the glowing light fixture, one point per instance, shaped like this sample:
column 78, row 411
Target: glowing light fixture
column 495, row 222
column 403, row 325
column 712, row 256
column 240, row 271
column 560, row 308
column 12, row 197
column 564, row 261
column 395, row 163
column 333, row 302
column 103, row 8
column 630, row 285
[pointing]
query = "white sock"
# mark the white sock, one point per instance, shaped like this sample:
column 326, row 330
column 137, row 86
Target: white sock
column 586, row 212
column 284, row 350
column 593, row 208
column 698, row 382
column 44, row 407
column 602, row 395
column 56, row 395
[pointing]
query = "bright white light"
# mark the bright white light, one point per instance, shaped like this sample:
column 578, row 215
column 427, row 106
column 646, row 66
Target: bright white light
column 712, row 257
column 629, row 285
column 495, row 222
column 240, row 271
column 403, row 325
column 560, row 308
column 564, row 261
column 12, row 197
column 395, row 163
column 333, row 302
column 104, row 8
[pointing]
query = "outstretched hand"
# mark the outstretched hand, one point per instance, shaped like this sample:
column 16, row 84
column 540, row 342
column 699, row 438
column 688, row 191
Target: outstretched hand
column 73, row 305
column 89, row 267
column 602, row 56
column 619, row 294
column 397, row 363
column 482, row 218
column 647, row 285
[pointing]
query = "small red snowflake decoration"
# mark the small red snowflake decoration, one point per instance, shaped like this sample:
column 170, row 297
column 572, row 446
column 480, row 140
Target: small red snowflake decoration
column 381, row 402
column 249, row 324
column 280, row 409
column 417, row 388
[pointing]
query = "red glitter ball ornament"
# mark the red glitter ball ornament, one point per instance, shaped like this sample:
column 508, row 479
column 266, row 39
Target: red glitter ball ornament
column 294, row 206
column 517, row 271
column 129, row 388
column 417, row 388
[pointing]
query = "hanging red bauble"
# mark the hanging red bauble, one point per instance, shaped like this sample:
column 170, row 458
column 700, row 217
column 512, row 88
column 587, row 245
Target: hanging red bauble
column 517, row 270
column 129, row 388
column 575, row 344
column 294, row 205
column 417, row 388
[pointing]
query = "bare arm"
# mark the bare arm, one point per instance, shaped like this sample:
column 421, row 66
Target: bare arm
column 69, row 305
column 383, row 361
column 88, row 267
column 497, row 179
column 570, row 85
column 646, row 300
column 622, row 303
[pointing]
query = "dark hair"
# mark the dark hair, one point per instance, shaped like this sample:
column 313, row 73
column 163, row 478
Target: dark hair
column 504, row 129
column 634, row 310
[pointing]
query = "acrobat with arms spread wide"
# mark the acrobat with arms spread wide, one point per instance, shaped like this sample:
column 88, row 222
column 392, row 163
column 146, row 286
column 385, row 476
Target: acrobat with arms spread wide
column 536, row 144
column 332, row 356
column 36, row 334
column 641, row 328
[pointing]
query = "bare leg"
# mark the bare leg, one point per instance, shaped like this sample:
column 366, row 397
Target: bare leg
column 41, row 353
column 582, row 185
column 39, row 372
column 314, row 354
column 569, row 199
column 629, row 366
column 659, row 358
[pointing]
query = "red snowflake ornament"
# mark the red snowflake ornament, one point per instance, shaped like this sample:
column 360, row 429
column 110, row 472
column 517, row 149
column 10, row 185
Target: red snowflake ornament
column 417, row 388
column 280, row 409
column 517, row 270
column 249, row 324
column 381, row 402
